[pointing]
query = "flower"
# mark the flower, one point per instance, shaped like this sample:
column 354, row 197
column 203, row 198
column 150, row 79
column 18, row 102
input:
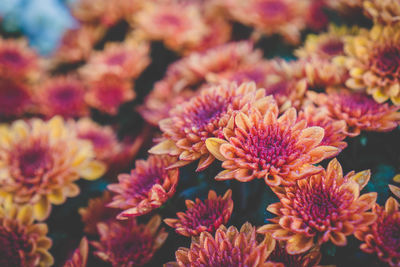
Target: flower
column 281, row 258
column 384, row 12
column 202, row 117
column 323, row 207
column 127, row 60
column 39, row 162
column 284, row 17
column 317, row 18
column 261, row 145
column 15, row 97
column 372, row 58
column 80, row 256
column 177, row 25
column 129, row 244
column 358, row 110
column 335, row 130
column 203, row 216
column 395, row 189
column 17, row 60
column 23, row 242
column 108, row 92
column 97, row 211
column 146, row 188
column 382, row 237
column 62, row 95
column 229, row 247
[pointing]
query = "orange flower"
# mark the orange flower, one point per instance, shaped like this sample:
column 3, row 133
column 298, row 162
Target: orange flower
column 285, row 17
column 108, row 92
column 261, row 145
column 23, row 242
column 15, row 97
column 178, row 25
column 80, row 256
column 62, row 95
column 383, row 11
column 335, row 130
column 382, row 237
column 229, row 247
column 126, row 60
column 40, row 161
column 358, row 110
column 17, row 60
column 146, row 188
column 326, row 206
column 128, row 244
column 96, row 212
column 203, row 216
column 372, row 58
column 202, row 117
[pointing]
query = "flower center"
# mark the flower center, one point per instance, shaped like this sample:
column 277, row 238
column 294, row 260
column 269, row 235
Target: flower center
column 145, row 181
column 33, row 161
column 116, row 59
column 110, row 96
column 389, row 232
column 11, row 57
column 207, row 214
column 271, row 8
column 100, row 140
column 386, row 62
column 12, row 249
column 169, row 20
column 353, row 103
column 65, row 95
column 269, row 147
column 12, row 96
column 332, row 47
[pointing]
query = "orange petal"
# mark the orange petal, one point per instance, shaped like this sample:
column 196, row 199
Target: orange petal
column 299, row 244
column 213, row 145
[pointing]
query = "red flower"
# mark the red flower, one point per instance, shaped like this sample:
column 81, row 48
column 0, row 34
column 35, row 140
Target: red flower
column 203, row 216
column 15, row 97
column 80, row 256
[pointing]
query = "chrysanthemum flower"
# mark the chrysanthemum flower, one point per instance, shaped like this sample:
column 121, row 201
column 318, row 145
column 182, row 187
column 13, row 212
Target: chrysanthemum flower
column 17, row 60
column 77, row 44
column 39, row 162
column 96, row 212
column 323, row 207
column 285, row 17
column 372, row 58
column 128, row 244
column 108, row 92
column 62, row 95
column 203, row 216
column 80, row 256
column 202, row 117
column 229, row 247
column 146, row 188
column 382, row 237
column 23, row 242
column 279, row 150
column 127, row 60
column 177, row 25
column 281, row 258
column 358, row 110
column 335, row 130
column 383, row 11
column 15, row 97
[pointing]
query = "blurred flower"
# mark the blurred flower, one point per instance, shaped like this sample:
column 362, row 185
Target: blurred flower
column 80, row 256
column 279, row 150
column 128, row 244
column 317, row 18
column 203, row 216
column 372, row 58
column 39, row 162
column 108, row 92
column 202, row 117
column 62, row 95
column 146, row 188
column 281, row 258
column 127, row 60
column 23, row 242
column 15, row 97
column 17, row 60
column 229, row 247
column 178, row 25
column 335, row 130
column 358, row 110
column 382, row 237
column 383, row 11
column 96, row 212
column 284, row 17
column 326, row 206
